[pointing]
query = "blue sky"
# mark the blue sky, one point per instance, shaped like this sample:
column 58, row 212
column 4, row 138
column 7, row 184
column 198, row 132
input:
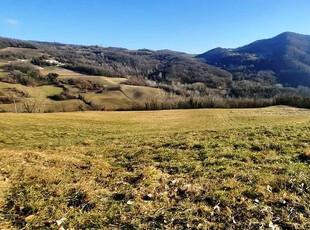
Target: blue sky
column 192, row 26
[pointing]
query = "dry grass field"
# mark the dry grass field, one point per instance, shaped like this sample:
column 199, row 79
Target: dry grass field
column 178, row 169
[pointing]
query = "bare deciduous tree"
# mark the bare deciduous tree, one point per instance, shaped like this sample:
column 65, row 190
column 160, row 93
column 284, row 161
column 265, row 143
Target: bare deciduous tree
column 34, row 104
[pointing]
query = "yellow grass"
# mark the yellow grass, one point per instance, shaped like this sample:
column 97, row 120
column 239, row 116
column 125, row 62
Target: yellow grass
column 108, row 100
column 115, row 80
column 212, row 168
column 40, row 91
column 60, row 71
column 142, row 94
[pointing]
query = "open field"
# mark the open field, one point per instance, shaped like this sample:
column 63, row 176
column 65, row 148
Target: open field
column 25, row 51
column 144, row 93
column 60, row 71
column 41, row 91
column 178, row 169
column 108, row 100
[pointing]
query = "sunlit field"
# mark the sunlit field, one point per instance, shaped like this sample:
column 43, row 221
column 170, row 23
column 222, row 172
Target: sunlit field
column 177, row 169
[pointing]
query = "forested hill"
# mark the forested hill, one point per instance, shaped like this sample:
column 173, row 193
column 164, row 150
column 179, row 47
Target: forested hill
column 286, row 56
column 162, row 65
column 7, row 42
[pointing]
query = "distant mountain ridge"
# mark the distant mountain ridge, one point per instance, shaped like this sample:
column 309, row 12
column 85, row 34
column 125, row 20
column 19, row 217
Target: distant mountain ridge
column 287, row 55
column 162, row 65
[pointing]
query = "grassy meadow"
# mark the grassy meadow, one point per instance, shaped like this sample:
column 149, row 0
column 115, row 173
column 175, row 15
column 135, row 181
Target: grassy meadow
column 177, row 169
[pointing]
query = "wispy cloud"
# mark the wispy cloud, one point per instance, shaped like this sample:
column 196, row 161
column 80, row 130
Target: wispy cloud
column 12, row 21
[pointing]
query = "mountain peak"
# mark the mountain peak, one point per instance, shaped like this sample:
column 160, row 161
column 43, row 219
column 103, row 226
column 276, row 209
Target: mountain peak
column 286, row 35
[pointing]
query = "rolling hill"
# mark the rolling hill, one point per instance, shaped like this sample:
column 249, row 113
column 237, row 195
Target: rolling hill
column 55, row 77
column 97, row 78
